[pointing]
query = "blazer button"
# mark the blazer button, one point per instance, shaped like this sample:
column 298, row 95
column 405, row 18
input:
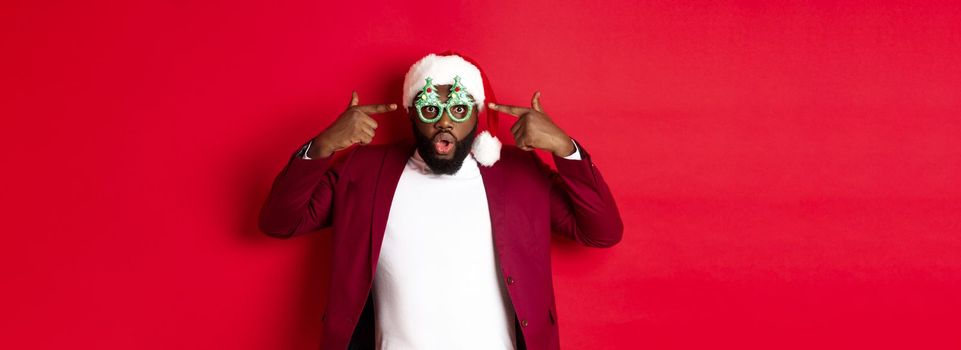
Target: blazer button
column 524, row 323
column 510, row 280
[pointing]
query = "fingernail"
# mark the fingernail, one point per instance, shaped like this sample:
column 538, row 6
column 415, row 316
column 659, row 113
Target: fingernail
column 491, row 105
column 393, row 106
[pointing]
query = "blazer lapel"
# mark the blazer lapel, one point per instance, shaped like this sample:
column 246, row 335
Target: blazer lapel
column 493, row 177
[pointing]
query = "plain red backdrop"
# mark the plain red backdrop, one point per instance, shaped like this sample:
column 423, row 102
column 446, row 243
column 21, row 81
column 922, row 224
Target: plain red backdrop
column 789, row 174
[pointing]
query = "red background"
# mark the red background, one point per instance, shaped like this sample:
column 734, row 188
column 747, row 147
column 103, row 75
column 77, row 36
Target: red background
column 788, row 174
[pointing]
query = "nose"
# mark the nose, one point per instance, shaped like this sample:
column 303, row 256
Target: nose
column 445, row 123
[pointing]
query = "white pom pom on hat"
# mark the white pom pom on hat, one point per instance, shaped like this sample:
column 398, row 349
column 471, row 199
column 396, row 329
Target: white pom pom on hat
column 442, row 69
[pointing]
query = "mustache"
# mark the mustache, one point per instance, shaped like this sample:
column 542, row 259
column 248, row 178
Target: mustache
column 444, row 132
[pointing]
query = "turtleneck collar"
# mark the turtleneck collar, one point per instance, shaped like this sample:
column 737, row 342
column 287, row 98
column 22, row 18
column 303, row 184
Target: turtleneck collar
column 468, row 170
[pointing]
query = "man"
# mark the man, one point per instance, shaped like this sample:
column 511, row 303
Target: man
column 443, row 243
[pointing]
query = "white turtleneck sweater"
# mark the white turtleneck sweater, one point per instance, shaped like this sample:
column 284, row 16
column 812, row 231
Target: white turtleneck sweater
column 437, row 285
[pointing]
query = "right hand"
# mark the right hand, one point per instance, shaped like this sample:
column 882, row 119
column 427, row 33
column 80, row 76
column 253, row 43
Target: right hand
column 353, row 126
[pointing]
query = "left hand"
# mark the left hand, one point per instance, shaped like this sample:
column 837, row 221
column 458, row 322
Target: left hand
column 535, row 129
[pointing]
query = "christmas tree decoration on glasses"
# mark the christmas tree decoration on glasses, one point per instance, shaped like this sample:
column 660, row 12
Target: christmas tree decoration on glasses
column 459, row 103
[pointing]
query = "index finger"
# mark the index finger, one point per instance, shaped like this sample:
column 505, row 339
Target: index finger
column 512, row 110
column 374, row 109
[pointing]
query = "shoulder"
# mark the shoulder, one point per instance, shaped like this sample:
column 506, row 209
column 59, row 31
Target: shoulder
column 367, row 156
column 363, row 151
column 517, row 159
column 523, row 171
column 378, row 151
column 514, row 155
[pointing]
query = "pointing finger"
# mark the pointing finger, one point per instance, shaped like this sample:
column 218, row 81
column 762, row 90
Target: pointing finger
column 374, row 109
column 354, row 100
column 536, row 102
column 512, row 110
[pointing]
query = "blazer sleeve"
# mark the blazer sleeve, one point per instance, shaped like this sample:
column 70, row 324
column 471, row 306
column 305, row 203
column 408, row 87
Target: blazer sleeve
column 301, row 197
column 582, row 207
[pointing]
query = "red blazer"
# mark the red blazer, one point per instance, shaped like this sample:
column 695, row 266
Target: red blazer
column 527, row 200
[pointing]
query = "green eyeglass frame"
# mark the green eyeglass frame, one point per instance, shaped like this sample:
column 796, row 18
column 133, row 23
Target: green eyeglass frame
column 458, row 96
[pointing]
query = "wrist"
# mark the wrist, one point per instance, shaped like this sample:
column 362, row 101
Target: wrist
column 566, row 147
column 319, row 148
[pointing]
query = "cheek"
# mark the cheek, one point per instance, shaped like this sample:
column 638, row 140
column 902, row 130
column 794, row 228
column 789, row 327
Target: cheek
column 424, row 128
column 462, row 129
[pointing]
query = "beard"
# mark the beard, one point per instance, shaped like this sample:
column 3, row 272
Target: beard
column 444, row 166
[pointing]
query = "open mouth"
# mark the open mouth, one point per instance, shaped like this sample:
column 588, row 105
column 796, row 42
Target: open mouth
column 444, row 143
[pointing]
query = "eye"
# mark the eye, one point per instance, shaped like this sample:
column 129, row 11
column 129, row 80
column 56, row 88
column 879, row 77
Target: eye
column 431, row 109
column 460, row 109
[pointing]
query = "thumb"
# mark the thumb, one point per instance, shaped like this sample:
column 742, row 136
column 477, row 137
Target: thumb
column 354, row 100
column 536, row 102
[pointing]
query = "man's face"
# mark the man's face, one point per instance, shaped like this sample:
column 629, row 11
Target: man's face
column 444, row 144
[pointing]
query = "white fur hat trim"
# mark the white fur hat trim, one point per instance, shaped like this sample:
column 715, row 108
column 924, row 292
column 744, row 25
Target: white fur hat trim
column 442, row 70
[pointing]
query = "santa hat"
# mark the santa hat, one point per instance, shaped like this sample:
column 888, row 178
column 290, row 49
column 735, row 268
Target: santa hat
column 442, row 69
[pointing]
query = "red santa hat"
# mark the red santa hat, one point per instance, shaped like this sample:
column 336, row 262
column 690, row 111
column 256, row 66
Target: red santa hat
column 442, row 69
